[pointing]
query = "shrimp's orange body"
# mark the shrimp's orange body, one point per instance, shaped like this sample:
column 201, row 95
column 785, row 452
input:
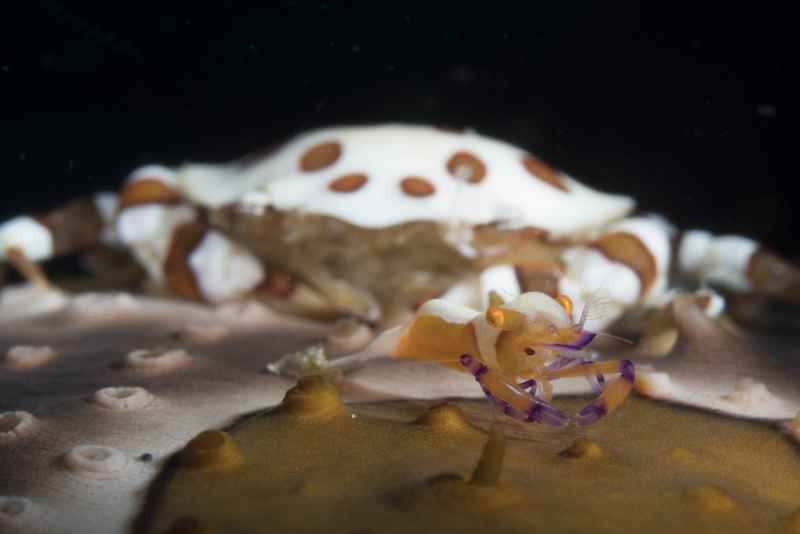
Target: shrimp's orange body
column 515, row 350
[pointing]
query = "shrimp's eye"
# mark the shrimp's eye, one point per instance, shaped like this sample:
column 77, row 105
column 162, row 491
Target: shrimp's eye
column 529, row 351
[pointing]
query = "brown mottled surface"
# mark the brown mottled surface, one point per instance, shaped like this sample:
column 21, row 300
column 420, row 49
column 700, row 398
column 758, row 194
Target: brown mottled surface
column 361, row 270
column 647, row 468
column 358, row 270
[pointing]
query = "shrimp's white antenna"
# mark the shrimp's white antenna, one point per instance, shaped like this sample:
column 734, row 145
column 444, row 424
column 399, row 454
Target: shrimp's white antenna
column 596, row 306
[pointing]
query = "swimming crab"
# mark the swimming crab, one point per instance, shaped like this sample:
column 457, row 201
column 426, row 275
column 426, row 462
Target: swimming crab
column 371, row 221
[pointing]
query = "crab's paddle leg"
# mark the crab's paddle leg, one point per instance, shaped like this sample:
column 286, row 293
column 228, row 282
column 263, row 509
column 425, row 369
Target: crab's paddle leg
column 738, row 264
column 75, row 226
column 27, row 268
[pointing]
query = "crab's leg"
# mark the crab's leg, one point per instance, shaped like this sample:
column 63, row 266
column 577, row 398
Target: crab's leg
column 736, row 263
column 614, row 393
column 624, row 266
column 512, row 400
column 75, row 226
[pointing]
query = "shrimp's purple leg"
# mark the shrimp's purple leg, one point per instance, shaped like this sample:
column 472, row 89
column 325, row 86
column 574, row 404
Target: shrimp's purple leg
column 613, row 394
column 616, row 392
column 545, row 413
column 529, row 386
column 597, row 382
column 511, row 398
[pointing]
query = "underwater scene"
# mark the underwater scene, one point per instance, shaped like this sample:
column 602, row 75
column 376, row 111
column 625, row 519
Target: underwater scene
column 315, row 267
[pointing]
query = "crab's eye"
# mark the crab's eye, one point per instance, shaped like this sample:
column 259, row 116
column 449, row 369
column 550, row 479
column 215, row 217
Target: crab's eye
column 529, row 351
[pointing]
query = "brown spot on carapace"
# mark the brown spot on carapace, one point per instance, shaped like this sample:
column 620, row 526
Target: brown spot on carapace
column 278, row 284
column 417, row 187
column 541, row 170
column 348, row 183
column 467, row 166
column 320, row 156
column 178, row 274
column 624, row 247
column 147, row 191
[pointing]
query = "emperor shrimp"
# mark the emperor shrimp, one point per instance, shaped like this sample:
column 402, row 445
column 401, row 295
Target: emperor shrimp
column 515, row 350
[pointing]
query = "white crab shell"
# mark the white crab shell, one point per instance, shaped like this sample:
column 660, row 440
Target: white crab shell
column 384, row 156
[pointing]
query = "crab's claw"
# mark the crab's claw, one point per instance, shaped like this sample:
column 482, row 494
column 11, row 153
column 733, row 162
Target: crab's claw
column 771, row 275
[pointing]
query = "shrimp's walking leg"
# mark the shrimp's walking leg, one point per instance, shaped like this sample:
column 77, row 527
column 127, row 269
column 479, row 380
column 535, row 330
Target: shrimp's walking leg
column 510, row 398
column 596, row 380
column 613, row 395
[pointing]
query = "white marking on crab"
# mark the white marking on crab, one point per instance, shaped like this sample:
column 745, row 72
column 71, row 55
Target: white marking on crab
column 148, row 230
column 107, row 204
column 254, row 202
column 28, row 356
column 461, row 236
column 122, row 398
column 388, row 153
column 591, row 274
column 157, row 359
column 96, row 461
column 722, row 260
column 655, row 233
column 15, row 426
column 593, row 278
column 217, row 185
column 500, row 278
column 157, row 172
column 28, row 235
column 466, row 293
column 224, row 269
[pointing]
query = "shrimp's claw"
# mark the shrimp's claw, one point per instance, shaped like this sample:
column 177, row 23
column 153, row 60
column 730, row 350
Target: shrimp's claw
column 547, row 414
column 613, row 395
column 512, row 399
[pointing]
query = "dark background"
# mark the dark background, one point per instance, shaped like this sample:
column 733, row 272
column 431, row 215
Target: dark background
column 673, row 105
